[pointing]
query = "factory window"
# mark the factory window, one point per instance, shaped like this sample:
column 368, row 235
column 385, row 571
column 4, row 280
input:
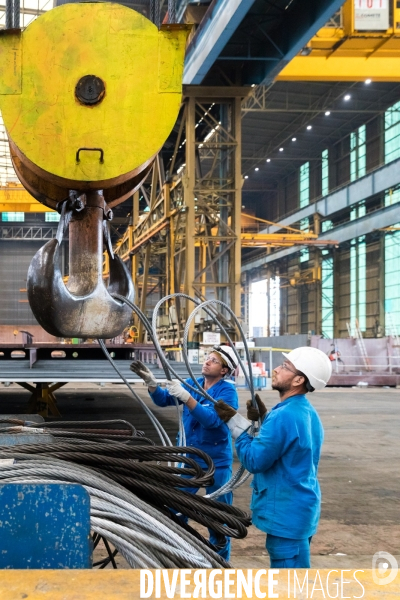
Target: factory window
column 12, row 216
column 392, row 196
column 358, row 155
column 51, row 216
column 304, row 252
column 304, row 200
column 304, row 185
column 326, row 225
column 392, row 133
column 275, row 305
column 392, row 282
column 264, row 316
column 327, row 295
column 358, row 275
column 258, row 313
column 325, row 173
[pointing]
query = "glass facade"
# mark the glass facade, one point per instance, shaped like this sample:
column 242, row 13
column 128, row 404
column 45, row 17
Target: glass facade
column 392, row 239
column 392, row 282
column 327, row 322
column 392, row 133
column 358, row 275
column 260, row 313
column 325, row 173
column 358, row 153
column 304, row 200
column 7, row 217
column 51, row 217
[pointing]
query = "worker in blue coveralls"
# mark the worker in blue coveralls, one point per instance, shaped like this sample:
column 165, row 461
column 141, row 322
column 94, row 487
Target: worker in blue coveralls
column 203, row 427
column 284, row 457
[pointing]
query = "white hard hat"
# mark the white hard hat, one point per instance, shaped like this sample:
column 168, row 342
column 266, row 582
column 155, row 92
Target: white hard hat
column 228, row 355
column 314, row 363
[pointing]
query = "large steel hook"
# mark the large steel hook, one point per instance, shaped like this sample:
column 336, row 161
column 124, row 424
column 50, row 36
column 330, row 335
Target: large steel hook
column 83, row 307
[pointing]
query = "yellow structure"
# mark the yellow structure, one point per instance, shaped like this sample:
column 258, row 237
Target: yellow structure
column 14, row 198
column 344, row 53
column 139, row 68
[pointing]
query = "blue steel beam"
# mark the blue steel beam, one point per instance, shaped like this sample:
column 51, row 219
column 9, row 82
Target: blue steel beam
column 383, row 217
column 378, row 181
column 220, row 22
column 300, row 22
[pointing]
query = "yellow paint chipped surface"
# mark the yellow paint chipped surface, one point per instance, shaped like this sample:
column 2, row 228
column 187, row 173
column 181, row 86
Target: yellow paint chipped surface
column 142, row 71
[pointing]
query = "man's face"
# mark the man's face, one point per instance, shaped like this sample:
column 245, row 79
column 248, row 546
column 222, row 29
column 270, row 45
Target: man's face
column 212, row 366
column 283, row 376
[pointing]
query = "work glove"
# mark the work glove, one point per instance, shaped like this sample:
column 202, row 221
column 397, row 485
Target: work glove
column 236, row 423
column 176, row 389
column 256, row 414
column 144, row 373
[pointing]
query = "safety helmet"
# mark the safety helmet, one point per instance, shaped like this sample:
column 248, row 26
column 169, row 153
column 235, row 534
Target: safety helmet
column 314, row 363
column 228, row 356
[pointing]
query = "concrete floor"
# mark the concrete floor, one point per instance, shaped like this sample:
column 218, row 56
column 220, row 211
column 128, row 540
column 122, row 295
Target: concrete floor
column 359, row 469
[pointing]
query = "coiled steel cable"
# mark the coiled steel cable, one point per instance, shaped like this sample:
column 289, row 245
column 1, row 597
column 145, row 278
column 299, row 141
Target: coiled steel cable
column 159, row 487
column 123, row 460
column 142, row 534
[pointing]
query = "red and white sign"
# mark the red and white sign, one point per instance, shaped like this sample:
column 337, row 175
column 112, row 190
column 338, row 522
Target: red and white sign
column 371, row 15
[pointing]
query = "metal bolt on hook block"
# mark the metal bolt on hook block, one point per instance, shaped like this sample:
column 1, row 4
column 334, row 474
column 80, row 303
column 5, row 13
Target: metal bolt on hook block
column 84, row 306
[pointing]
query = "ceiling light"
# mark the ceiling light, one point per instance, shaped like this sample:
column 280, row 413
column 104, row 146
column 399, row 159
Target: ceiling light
column 280, row 149
column 256, row 169
column 268, row 160
column 347, row 97
column 246, row 176
column 294, row 139
column 327, row 113
column 368, row 81
column 309, row 127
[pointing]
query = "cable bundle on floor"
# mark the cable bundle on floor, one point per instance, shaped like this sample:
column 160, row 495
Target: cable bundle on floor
column 96, row 430
column 144, row 536
column 156, row 484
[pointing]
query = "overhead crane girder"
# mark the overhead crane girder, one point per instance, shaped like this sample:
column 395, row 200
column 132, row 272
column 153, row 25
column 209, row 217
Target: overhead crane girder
column 344, row 53
column 17, row 199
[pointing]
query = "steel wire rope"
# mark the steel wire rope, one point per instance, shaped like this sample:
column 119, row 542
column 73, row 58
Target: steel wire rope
column 235, row 480
column 102, row 488
column 157, row 425
column 223, row 518
column 163, row 361
column 148, row 327
column 119, row 458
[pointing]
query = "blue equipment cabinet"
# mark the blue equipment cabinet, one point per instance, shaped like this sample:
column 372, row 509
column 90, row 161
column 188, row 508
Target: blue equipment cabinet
column 45, row 526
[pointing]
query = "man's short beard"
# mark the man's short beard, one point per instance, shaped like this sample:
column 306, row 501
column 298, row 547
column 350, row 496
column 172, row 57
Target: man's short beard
column 281, row 387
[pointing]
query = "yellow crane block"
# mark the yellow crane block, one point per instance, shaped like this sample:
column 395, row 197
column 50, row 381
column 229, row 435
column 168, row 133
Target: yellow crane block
column 95, row 94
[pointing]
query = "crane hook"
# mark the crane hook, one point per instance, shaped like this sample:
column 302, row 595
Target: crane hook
column 83, row 307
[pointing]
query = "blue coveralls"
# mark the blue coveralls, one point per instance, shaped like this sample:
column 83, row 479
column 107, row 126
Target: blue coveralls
column 286, row 497
column 205, row 430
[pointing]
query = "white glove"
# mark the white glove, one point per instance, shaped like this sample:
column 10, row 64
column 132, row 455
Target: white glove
column 144, row 373
column 237, row 425
column 176, row 389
